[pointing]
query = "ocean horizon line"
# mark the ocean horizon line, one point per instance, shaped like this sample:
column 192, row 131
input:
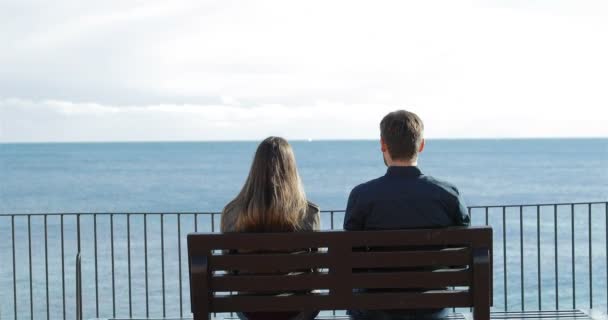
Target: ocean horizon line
column 300, row 140
column 325, row 211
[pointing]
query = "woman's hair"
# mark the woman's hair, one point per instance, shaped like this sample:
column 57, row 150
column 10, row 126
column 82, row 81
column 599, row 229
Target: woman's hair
column 272, row 199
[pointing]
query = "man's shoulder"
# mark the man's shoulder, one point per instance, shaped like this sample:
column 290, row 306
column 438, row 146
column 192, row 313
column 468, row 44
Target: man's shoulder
column 441, row 184
column 367, row 186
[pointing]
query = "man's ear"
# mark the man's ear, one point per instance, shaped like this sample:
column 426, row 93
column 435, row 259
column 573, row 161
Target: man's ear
column 383, row 145
column 421, row 146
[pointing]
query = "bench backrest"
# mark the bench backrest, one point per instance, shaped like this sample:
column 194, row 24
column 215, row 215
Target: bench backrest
column 433, row 259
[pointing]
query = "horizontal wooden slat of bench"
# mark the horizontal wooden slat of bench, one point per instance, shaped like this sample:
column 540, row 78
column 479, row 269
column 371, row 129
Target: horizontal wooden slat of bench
column 370, row 301
column 201, row 243
column 452, row 236
column 245, row 303
column 267, row 262
column 377, row 280
column 410, row 279
column 271, row 282
column 412, row 300
column 451, row 257
column 545, row 314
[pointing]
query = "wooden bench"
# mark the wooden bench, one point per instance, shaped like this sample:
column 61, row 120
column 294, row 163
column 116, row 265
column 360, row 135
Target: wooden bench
column 437, row 259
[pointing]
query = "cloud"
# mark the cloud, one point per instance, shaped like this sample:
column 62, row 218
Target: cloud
column 25, row 120
column 52, row 120
column 468, row 68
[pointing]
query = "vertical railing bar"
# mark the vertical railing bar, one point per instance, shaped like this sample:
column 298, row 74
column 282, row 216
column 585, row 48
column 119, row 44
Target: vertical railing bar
column 179, row 255
column 504, row 253
column 331, row 225
column 78, row 230
column 129, row 263
column 146, row 263
column 196, row 222
column 486, row 210
column 78, row 236
column 540, row 305
column 96, row 271
column 590, row 260
column 162, row 256
column 573, row 262
column 14, row 268
column 62, row 268
column 556, row 259
column 471, row 218
column 78, row 243
column 213, row 222
column 29, row 236
column 521, row 254
column 112, row 258
column 46, row 266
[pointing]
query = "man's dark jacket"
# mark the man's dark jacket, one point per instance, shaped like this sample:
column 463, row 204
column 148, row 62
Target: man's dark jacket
column 404, row 198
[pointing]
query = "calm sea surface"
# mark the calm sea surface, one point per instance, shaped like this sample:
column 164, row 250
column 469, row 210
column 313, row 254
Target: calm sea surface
column 204, row 176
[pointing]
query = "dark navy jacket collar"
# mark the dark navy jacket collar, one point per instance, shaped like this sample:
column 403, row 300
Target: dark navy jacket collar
column 410, row 172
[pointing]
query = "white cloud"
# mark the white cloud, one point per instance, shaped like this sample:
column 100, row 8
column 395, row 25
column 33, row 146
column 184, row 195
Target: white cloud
column 225, row 69
column 25, row 120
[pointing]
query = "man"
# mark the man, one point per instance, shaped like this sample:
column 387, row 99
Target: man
column 403, row 198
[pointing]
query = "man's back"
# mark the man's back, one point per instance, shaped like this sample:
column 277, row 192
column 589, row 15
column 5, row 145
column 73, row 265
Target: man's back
column 403, row 199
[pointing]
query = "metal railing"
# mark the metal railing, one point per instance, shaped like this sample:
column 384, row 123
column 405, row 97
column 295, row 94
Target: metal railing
column 546, row 256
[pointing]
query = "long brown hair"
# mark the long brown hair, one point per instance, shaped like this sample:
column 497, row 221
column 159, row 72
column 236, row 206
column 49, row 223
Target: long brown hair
column 272, row 199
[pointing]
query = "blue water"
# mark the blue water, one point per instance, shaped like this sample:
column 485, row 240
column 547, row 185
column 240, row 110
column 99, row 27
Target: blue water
column 203, row 176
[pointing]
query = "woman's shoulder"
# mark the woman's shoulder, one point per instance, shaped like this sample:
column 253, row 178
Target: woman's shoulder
column 229, row 217
column 311, row 219
column 313, row 207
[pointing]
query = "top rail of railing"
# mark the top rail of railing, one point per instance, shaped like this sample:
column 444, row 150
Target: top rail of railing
column 546, row 204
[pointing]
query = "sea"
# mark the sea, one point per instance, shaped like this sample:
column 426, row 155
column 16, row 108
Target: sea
column 170, row 177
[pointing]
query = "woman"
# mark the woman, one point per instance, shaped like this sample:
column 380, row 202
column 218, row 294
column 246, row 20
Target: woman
column 272, row 200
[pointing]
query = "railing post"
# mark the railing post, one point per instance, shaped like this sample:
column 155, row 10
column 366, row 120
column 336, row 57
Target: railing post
column 78, row 287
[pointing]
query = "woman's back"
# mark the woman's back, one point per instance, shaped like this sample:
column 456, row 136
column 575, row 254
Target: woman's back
column 272, row 200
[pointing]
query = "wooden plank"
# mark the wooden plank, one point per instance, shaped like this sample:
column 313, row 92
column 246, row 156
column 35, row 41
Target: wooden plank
column 369, row 301
column 412, row 300
column 265, row 262
column 396, row 259
column 411, row 279
column 271, row 282
column 453, row 236
column 308, row 302
column 260, row 241
column 548, row 314
column 298, row 240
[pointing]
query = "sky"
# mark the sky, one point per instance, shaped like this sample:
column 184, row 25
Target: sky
column 119, row 70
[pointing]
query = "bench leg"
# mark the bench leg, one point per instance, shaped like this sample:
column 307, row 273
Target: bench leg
column 481, row 284
column 201, row 316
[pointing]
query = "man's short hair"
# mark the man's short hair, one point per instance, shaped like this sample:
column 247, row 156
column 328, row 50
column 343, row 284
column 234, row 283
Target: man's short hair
column 402, row 132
